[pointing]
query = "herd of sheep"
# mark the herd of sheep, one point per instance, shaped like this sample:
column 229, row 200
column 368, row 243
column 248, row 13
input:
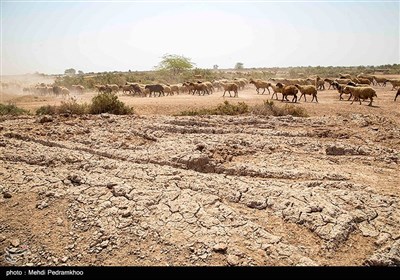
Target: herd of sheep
column 357, row 87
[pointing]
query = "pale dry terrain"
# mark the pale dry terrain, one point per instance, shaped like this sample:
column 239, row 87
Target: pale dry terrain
column 157, row 189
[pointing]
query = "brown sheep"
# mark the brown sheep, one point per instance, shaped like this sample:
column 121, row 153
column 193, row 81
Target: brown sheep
column 329, row 81
column 380, row 80
column 228, row 87
column 276, row 90
column 366, row 76
column 310, row 90
column 260, row 84
column 199, row 87
column 361, row 93
column 288, row 90
column 344, row 76
column 395, row 83
column 397, row 94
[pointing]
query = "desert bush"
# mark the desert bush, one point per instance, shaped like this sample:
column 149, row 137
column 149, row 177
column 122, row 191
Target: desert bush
column 66, row 107
column 47, row 110
column 11, row 109
column 268, row 108
column 225, row 108
column 109, row 103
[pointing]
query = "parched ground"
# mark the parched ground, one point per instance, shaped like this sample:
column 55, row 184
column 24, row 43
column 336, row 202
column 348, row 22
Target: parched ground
column 213, row 190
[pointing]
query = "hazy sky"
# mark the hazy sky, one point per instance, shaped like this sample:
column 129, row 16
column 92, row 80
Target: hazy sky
column 50, row 36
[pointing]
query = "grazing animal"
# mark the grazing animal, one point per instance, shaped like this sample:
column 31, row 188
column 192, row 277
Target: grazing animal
column 261, row 84
column 228, row 87
column 380, row 80
column 397, row 94
column 288, row 90
column 395, row 83
column 155, row 88
column 361, row 93
column 307, row 90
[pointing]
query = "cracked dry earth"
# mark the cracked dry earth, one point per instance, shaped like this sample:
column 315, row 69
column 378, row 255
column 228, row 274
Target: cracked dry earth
column 216, row 190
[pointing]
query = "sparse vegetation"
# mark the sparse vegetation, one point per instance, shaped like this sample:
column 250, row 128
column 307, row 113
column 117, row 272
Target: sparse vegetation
column 268, row 108
column 11, row 109
column 109, row 103
column 101, row 103
column 225, row 108
column 66, row 107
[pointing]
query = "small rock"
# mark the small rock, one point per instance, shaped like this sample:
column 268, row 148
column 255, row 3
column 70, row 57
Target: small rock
column 104, row 244
column 42, row 205
column 75, row 179
column 2, row 238
column 13, row 250
column 45, row 119
column 15, row 242
column 111, row 185
column 220, row 248
column 29, row 264
column 7, row 195
column 232, row 260
column 200, row 147
column 59, row 221
column 203, row 256
column 64, row 259
column 382, row 239
column 126, row 214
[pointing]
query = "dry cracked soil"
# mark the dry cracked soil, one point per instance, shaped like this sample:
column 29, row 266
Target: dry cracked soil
column 212, row 190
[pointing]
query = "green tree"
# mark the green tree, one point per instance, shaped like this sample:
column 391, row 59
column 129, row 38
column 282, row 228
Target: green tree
column 239, row 65
column 80, row 72
column 70, row 71
column 175, row 63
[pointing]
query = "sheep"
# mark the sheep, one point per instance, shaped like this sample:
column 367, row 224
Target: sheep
column 199, row 87
column 210, row 87
column 155, row 88
column 126, row 88
column 363, row 81
column 276, row 90
column 78, row 88
column 174, row 88
column 228, row 87
column 340, row 89
column 217, row 85
column 113, row 87
column 361, row 93
column 395, row 83
column 288, row 90
column 310, row 90
column 343, row 81
column 379, row 80
column 103, row 88
column 345, row 76
column 366, row 76
column 397, row 94
column 261, row 84
column 64, row 91
column 329, row 81
column 167, row 90
column 319, row 84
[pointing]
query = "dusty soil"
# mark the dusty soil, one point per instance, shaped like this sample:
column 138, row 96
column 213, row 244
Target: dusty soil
column 157, row 189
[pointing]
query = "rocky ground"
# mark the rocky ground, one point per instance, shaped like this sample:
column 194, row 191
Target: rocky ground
column 215, row 190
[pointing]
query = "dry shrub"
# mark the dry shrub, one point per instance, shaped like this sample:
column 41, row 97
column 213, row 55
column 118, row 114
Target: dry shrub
column 268, row 108
column 11, row 109
column 109, row 103
column 225, row 108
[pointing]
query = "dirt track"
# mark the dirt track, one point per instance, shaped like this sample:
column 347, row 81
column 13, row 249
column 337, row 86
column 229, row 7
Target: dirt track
column 215, row 190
